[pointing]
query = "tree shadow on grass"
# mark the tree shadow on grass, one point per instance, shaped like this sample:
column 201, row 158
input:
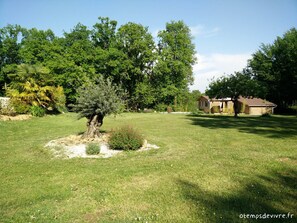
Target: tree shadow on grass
column 272, row 194
column 275, row 126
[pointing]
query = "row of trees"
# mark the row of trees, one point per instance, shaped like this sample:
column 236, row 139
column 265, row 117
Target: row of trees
column 153, row 73
column 270, row 74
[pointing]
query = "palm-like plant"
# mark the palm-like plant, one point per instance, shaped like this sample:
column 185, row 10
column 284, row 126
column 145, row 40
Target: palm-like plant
column 31, row 84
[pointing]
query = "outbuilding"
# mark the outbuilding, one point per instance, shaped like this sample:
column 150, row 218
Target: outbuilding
column 248, row 105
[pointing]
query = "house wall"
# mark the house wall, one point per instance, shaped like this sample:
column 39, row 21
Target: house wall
column 215, row 106
column 226, row 106
column 259, row 110
column 230, row 109
column 204, row 104
column 247, row 109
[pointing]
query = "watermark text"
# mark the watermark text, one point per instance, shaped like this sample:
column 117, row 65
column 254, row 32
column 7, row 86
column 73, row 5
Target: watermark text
column 266, row 216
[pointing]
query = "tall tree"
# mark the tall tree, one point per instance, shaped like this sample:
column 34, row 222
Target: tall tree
column 104, row 33
column 173, row 70
column 275, row 67
column 233, row 86
column 77, row 63
column 36, row 45
column 138, row 46
column 108, row 58
column 10, row 44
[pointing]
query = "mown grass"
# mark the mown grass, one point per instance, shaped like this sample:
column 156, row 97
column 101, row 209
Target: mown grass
column 208, row 169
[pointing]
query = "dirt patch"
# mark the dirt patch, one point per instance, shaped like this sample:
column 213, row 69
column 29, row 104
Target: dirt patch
column 287, row 160
column 75, row 146
column 14, row 118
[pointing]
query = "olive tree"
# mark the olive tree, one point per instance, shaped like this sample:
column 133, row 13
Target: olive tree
column 96, row 100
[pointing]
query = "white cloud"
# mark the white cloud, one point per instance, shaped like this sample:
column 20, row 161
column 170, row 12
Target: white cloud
column 216, row 65
column 200, row 30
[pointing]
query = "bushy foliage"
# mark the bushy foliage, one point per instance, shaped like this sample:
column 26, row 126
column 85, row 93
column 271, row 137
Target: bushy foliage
column 20, row 107
column 169, row 109
column 266, row 115
column 161, row 107
column 96, row 100
column 215, row 109
column 99, row 98
column 37, row 111
column 126, row 138
column 274, row 66
column 150, row 71
column 31, row 87
column 58, row 99
column 92, row 149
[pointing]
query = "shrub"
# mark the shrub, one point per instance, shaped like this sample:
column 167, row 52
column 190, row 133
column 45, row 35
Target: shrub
column 215, row 109
column 92, row 149
column 161, row 107
column 267, row 115
column 126, row 138
column 169, row 109
column 20, row 107
column 197, row 112
column 37, row 111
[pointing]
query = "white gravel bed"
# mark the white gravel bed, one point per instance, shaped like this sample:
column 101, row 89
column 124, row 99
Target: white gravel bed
column 67, row 150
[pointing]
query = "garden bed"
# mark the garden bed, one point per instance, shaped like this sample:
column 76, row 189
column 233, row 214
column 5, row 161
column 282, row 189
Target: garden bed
column 14, row 118
column 75, row 146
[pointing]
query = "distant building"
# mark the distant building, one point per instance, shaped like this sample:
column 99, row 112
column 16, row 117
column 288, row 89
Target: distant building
column 251, row 106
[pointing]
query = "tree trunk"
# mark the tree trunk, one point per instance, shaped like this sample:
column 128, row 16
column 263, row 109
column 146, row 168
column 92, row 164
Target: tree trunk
column 93, row 125
column 235, row 107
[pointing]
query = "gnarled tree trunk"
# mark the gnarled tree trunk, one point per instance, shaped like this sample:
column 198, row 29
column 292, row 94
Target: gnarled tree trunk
column 93, row 125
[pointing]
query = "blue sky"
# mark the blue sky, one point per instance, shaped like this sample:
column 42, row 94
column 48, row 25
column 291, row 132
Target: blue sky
column 226, row 32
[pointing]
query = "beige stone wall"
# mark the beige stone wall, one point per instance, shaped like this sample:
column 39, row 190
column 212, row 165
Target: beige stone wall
column 4, row 102
column 255, row 111
column 202, row 106
column 230, row 107
column 259, row 110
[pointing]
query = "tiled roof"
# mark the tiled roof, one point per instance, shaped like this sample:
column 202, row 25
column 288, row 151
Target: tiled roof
column 252, row 102
column 204, row 96
column 256, row 102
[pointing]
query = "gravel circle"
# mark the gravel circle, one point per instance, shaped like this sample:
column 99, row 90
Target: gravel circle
column 75, row 146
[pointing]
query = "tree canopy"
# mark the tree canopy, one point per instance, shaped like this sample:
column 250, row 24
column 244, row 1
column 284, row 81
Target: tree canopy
column 274, row 66
column 176, row 56
column 152, row 71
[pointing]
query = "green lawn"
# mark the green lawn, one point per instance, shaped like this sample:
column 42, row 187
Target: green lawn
column 208, row 169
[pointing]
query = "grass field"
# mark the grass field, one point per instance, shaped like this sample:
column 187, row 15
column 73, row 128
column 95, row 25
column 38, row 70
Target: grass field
column 208, row 169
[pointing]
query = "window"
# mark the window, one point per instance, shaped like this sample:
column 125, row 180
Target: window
column 205, row 104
